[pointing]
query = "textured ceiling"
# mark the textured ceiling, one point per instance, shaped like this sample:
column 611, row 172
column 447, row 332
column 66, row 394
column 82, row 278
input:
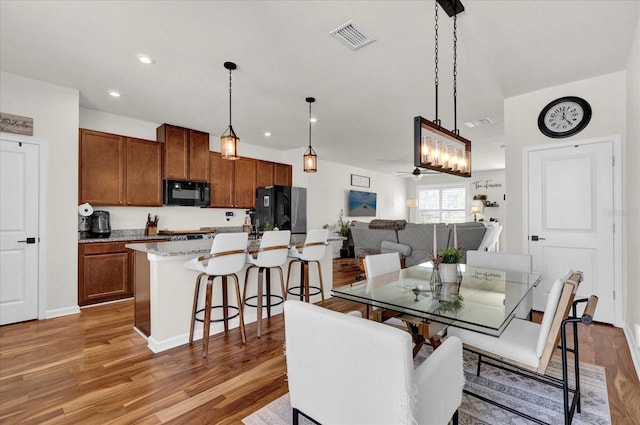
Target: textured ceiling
column 366, row 99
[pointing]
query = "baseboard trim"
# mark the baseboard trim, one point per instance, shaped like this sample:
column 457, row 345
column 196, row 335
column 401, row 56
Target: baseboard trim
column 50, row 314
column 633, row 347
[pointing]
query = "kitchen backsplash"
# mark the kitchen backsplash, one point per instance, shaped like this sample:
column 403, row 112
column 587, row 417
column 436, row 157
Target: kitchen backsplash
column 173, row 217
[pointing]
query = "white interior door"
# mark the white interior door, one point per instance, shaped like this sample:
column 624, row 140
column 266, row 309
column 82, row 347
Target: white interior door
column 19, row 197
column 570, row 220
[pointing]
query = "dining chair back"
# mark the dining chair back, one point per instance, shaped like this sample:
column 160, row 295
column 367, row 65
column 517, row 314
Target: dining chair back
column 353, row 388
column 507, row 262
column 379, row 264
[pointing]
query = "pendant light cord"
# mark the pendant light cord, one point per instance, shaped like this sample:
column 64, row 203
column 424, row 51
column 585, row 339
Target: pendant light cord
column 229, row 98
column 309, row 125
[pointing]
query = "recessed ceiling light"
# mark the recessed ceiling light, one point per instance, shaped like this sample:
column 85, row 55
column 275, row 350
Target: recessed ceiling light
column 313, row 119
column 267, row 134
column 114, row 93
column 147, row 60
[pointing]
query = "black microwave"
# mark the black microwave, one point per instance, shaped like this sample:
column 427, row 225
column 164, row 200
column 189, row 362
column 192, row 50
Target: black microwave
column 186, row 193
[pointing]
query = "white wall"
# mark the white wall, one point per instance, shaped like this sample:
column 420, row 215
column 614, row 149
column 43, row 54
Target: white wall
column 54, row 110
column 607, row 97
column 632, row 207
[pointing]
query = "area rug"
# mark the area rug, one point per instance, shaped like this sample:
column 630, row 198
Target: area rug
column 527, row 395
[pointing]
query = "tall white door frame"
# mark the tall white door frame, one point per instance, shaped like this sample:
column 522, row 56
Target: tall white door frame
column 616, row 212
column 42, row 222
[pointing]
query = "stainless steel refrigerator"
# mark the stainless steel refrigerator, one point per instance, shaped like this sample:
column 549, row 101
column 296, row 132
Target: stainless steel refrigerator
column 284, row 207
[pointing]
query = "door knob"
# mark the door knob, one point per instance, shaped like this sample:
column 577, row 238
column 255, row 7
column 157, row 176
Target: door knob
column 536, row 238
column 29, row 240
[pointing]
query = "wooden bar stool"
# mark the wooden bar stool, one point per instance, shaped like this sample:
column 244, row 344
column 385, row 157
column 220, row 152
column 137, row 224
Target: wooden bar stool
column 227, row 257
column 274, row 247
column 312, row 251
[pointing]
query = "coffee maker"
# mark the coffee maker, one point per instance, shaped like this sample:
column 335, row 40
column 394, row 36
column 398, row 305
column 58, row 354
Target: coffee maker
column 100, row 224
column 84, row 220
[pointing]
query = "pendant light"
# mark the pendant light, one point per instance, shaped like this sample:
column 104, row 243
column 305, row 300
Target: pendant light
column 229, row 140
column 435, row 147
column 310, row 157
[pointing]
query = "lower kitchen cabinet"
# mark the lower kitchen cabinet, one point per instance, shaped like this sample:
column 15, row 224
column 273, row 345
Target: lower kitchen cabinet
column 104, row 272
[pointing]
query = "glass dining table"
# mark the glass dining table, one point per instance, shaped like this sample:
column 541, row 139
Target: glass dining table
column 481, row 300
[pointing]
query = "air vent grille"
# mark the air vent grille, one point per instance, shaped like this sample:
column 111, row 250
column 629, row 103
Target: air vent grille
column 352, row 35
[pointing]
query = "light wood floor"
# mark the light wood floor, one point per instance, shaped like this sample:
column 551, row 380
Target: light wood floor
column 93, row 368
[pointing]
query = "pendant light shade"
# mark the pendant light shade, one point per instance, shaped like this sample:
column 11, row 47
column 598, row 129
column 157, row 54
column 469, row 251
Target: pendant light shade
column 229, row 140
column 310, row 157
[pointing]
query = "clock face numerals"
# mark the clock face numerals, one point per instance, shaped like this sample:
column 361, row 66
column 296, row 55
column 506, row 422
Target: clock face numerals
column 564, row 117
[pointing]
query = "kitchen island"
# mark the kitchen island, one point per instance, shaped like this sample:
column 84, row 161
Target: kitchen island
column 163, row 291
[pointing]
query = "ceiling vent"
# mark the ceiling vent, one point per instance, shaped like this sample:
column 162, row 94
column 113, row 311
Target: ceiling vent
column 352, row 35
column 478, row 123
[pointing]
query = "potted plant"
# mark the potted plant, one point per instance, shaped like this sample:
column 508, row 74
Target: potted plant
column 449, row 265
column 342, row 228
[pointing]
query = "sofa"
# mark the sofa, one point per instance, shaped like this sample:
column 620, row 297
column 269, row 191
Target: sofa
column 414, row 241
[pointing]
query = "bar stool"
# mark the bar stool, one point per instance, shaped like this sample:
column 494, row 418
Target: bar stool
column 274, row 247
column 312, row 251
column 227, row 257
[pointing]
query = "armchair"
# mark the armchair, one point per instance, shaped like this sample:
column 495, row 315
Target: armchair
column 352, row 387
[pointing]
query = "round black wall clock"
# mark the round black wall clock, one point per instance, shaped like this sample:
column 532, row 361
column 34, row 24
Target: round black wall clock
column 564, row 117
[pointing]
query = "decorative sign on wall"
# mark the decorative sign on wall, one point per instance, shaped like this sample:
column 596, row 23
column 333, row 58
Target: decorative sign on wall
column 16, row 124
column 485, row 184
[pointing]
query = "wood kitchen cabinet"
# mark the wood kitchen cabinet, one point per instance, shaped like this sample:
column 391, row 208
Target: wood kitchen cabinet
column 118, row 170
column 282, row 174
column 233, row 182
column 105, row 272
column 186, row 153
column 265, row 172
column 102, row 168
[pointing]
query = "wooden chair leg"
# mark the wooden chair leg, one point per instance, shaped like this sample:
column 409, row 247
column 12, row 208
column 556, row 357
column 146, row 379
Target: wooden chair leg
column 246, row 279
column 196, row 292
column 207, row 317
column 284, row 294
column 240, row 310
column 321, row 283
column 289, row 275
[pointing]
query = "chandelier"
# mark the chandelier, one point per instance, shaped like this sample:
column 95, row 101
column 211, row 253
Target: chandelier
column 435, row 147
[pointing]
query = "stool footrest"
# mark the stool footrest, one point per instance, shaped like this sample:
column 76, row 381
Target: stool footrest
column 232, row 307
column 277, row 297
column 301, row 290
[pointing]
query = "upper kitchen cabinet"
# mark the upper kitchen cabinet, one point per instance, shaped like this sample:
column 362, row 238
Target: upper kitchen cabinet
column 102, row 168
column 143, row 183
column 282, row 175
column 233, row 182
column 186, row 153
column 118, row 170
column 265, row 172
column 272, row 173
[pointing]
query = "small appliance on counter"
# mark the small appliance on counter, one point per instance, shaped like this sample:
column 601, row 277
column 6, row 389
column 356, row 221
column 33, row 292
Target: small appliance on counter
column 100, row 224
column 84, row 220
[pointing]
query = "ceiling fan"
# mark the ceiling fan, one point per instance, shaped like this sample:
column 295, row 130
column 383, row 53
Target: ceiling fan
column 416, row 174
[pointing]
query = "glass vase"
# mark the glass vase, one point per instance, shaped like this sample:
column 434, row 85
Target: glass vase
column 435, row 282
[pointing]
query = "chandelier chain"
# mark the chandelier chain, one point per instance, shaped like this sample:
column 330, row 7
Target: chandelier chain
column 455, row 74
column 436, row 80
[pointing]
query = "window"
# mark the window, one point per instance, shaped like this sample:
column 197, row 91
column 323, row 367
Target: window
column 442, row 204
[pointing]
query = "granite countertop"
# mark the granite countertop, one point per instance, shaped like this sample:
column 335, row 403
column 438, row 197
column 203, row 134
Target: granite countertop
column 173, row 248
column 134, row 235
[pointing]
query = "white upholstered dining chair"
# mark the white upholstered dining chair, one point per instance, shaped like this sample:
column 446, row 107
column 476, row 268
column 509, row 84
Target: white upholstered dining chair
column 346, row 370
column 528, row 346
column 508, row 262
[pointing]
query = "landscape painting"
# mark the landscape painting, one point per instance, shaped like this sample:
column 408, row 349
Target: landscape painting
column 362, row 204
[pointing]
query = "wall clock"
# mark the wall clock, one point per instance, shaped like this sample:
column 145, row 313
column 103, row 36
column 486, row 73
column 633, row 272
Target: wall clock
column 564, row 117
